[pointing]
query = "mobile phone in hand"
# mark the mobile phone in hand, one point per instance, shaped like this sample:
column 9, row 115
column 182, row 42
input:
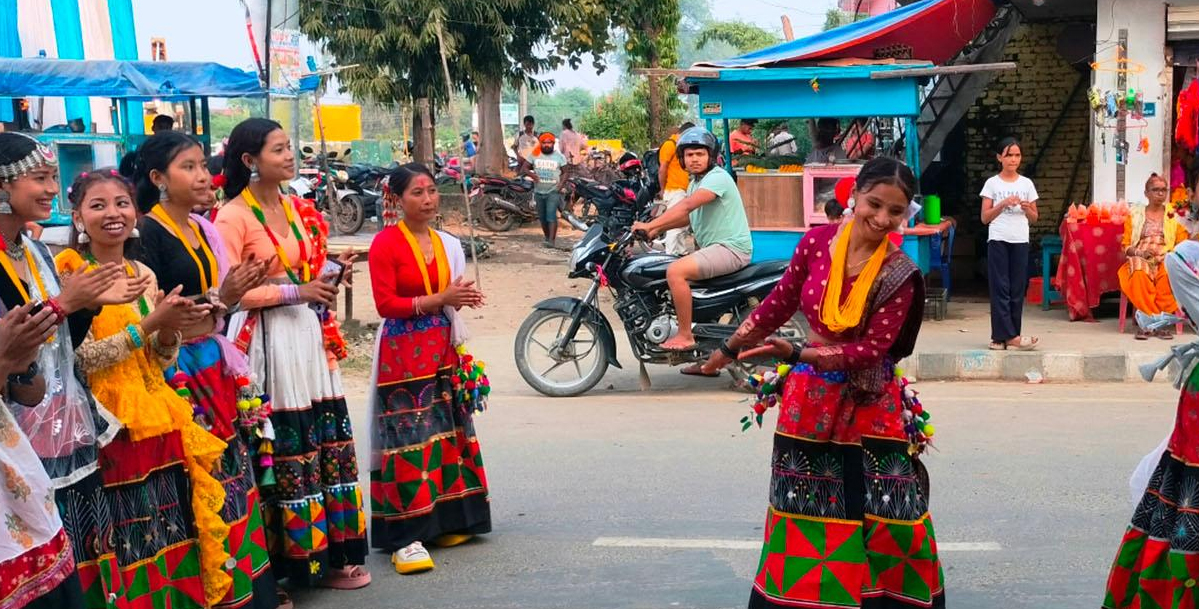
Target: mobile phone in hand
column 335, row 268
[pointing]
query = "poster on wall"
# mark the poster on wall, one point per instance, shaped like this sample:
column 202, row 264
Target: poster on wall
column 285, row 61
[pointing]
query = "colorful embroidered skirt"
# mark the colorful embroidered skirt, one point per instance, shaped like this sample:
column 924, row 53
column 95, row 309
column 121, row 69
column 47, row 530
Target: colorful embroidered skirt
column 427, row 476
column 848, row 522
column 131, row 527
column 314, row 516
column 1157, row 564
column 214, row 390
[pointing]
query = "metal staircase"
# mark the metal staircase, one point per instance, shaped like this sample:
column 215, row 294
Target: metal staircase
column 950, row 96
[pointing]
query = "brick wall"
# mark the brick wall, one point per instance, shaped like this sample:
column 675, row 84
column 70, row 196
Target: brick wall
column 1026, row 102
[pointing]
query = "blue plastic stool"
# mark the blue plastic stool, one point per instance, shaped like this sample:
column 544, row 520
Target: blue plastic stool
column 1051, row 245
column 943, row 249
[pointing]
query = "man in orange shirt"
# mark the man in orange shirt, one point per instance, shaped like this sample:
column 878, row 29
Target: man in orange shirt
column 742, row 139
column 674, row 180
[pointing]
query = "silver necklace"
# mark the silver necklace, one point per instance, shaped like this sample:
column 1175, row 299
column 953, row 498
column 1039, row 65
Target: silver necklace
column 14, row 249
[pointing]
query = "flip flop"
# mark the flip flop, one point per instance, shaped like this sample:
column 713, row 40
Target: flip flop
column 353, row 578
column 698, row 370
column 690, row 347
column 998, row 347
column 1025, row 343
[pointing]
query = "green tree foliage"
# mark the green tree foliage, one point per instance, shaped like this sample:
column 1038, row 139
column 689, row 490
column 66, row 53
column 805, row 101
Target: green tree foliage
column 650, row 30
column 742, row 36
column 618, row 116
column 835, row 18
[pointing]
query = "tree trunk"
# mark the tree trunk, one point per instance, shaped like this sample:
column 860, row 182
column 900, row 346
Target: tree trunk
column 422, row 132
column 655, row 110
column 491, row 158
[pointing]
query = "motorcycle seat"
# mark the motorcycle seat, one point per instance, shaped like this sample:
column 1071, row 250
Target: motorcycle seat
column 750, row 273
column 520, row 184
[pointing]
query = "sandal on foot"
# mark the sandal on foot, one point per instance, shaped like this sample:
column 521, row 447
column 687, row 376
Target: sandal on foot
column 283, row 599
column 412, row 558
column 698, row 370
column 998, row 346
column 1165, row 334
column 450, row 540
column 1023, row 343
column 1141, row 335
column 351, row 577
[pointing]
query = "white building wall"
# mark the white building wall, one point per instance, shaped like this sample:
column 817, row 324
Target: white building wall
column 1145, row 21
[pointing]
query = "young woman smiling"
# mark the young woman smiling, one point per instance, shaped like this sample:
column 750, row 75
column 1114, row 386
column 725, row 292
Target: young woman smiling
column 846, row 446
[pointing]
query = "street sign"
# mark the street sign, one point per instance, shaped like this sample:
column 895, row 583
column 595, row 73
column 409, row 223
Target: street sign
column 510, row 114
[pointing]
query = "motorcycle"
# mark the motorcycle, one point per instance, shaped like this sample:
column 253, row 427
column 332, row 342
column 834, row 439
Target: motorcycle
column 363, row 200
column 502, row 203
column 567, row 333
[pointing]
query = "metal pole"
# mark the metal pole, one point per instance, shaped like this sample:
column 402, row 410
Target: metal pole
column 470, row 222
column 295, row 127
column 1122, row 115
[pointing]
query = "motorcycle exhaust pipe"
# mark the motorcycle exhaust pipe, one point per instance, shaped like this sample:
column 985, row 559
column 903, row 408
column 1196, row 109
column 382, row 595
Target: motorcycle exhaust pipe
column 512, row 207
column 576, row 223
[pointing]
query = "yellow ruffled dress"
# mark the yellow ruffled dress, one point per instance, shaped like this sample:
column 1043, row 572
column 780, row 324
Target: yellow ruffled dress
column 129, row 382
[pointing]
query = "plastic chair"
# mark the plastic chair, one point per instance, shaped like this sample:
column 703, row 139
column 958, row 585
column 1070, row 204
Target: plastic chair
column 1051, row 245
column 1123, row 319
column 944, row 246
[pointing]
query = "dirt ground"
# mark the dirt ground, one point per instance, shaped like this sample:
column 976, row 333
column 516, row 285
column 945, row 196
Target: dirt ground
column 515, row 273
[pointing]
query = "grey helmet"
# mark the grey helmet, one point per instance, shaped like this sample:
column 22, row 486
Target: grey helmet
column 698, row 137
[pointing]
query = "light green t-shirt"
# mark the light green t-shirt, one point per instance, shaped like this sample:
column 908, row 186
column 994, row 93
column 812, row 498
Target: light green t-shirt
column 722, row 221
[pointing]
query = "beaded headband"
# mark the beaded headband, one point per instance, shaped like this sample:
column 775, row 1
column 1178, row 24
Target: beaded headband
column 41, row 155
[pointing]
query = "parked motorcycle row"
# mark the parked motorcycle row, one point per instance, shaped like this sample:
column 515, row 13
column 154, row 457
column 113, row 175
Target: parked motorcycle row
column 354, row 195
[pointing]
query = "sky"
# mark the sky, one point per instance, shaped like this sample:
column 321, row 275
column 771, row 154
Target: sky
column 218, row 33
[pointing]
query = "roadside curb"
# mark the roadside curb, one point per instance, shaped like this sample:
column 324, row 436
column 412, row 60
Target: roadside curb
column 1053, row 367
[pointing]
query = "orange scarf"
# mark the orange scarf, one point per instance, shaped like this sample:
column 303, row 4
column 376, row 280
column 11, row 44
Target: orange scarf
column 834, row 314
column 439, row 255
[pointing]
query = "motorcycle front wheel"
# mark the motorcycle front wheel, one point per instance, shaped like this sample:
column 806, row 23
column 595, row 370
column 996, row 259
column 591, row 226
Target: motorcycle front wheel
column 554, row 366
column 493, row 217
column 349, row 214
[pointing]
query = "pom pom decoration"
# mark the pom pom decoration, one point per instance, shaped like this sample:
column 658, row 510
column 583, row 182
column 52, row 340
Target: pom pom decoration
column 768, row 387
column 915, row 417
column 469, row 382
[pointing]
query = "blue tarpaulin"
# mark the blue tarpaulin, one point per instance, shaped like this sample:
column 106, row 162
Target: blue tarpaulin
column 932, row 30
column 124, row 79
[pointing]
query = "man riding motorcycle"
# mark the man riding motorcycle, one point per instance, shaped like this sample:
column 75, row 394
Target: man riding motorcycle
column 715, row 213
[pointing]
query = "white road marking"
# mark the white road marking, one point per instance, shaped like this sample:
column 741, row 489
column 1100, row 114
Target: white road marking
column 746, row 544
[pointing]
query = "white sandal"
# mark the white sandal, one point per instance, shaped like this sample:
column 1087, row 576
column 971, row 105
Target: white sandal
column 1024, row 343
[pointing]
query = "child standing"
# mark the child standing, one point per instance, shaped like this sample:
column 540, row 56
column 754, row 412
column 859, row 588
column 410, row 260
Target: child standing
column 1009, row 205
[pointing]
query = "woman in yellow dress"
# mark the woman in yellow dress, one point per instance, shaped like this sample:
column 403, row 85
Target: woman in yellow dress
column 165, row 534
column 1150, row 232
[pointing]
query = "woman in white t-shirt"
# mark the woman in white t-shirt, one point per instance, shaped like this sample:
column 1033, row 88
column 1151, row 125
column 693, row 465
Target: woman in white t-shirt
column 1009, row 206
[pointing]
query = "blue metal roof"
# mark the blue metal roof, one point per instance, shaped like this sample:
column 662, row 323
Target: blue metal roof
column 124, row 79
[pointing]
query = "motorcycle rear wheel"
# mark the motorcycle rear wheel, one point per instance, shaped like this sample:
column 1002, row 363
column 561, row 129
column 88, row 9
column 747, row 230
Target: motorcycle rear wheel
column 493, row 217
column 586, row 342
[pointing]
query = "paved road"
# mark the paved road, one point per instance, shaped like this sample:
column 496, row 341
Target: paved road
column 1029, row 484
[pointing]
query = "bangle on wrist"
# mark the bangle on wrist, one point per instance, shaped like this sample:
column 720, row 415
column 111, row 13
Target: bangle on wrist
column 54, row 306
column 135, row 336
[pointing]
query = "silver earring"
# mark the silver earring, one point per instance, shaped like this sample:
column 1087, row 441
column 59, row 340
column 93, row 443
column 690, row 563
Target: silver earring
column 135, row 234
column 254, row 177
column 5, row 208
column 163, row 195
column 83, row 238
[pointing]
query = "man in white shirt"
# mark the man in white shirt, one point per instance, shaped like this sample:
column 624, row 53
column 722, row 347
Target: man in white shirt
column 781, row 142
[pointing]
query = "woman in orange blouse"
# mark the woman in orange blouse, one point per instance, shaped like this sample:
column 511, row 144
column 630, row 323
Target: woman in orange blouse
column 1149, row 234
column 313, row 505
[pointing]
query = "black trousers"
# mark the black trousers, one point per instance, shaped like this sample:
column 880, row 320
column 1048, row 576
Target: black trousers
column 1007, row 274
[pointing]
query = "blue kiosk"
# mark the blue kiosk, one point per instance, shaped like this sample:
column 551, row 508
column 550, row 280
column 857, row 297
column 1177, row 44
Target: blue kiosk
column 127, row 84
column 880, row 90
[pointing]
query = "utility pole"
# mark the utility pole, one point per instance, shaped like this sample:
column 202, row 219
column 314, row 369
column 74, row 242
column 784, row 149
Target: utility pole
column 524, row 102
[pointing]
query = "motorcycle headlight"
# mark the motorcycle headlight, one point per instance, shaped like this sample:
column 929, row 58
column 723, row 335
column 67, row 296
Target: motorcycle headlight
column 342, row 175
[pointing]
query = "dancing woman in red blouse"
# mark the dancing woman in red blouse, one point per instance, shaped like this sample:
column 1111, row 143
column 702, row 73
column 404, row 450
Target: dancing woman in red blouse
column 848, row 522
column 427, row 477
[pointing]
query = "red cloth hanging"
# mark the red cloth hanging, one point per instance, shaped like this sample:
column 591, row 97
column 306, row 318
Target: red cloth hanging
column 1186, row 129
